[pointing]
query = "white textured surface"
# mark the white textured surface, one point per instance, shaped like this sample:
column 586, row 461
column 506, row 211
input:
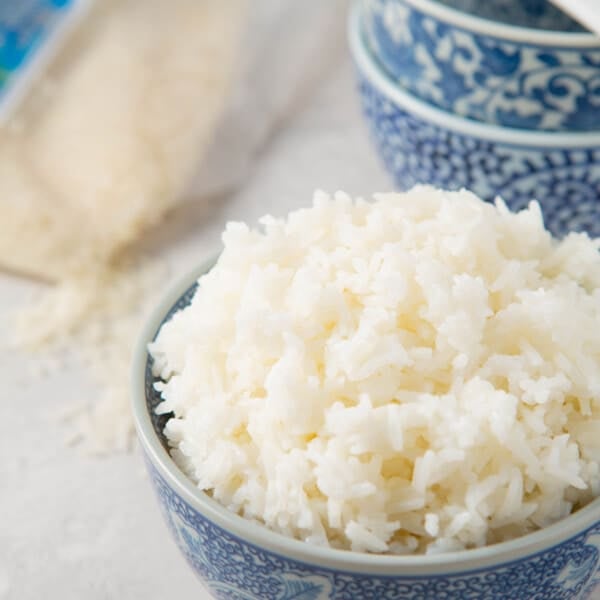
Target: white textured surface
column 78, row 527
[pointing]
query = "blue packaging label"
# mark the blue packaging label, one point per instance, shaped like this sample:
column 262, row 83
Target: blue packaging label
column 30, row 33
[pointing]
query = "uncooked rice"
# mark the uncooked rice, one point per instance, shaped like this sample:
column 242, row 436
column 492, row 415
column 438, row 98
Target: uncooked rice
column 417, row 373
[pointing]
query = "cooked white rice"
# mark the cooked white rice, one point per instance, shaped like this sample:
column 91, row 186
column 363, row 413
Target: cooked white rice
column 419, row 373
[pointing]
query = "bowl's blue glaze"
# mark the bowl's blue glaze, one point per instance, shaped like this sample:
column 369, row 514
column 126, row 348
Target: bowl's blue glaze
column 422, row 144
column 484, row 70
column 233, row 568
column 566, row 182
column 239, row 560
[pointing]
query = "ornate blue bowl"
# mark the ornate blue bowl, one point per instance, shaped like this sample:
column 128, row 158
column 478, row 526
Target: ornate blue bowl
column 422, row 144
column 242, row 560
column 487, row 70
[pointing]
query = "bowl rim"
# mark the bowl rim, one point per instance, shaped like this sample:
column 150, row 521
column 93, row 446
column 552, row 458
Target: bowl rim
column 443, row 564
column 526, row 138
column 527, row 35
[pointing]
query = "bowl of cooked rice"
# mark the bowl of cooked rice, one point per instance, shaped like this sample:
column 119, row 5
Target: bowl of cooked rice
column 392, row 398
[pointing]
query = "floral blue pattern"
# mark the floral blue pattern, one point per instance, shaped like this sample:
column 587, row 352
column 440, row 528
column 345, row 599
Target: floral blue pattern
column 565, row 181
column 482, row 77
column 235, row 569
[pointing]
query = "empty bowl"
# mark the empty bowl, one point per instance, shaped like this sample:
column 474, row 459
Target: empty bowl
column 420, row 143
column 488, row 70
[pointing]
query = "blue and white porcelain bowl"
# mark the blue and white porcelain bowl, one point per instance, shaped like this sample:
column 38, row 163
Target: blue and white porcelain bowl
column 485, row 69
column 423, row 144
column 241, row 560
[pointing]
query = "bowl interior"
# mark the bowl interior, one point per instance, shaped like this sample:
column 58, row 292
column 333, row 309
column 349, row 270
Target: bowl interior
column 536, row 14
column 470, row 16
column 153, row 397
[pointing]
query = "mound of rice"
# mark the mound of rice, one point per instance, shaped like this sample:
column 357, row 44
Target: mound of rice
column 418, row 373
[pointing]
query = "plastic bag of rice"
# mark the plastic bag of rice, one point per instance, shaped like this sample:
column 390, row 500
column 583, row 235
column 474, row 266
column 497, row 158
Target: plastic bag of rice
column 418, row 373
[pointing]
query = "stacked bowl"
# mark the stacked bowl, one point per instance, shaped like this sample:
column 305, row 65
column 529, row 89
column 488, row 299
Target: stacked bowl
column 458, row 100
